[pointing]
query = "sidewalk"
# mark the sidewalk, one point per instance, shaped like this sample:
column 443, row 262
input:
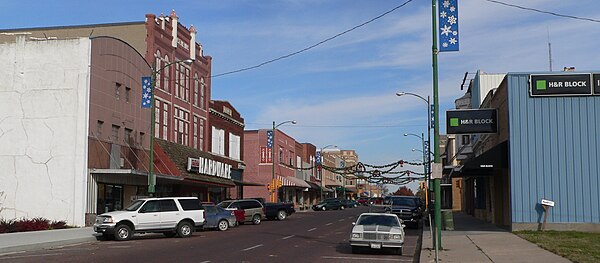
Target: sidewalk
column 15, row 242
column 474, row 240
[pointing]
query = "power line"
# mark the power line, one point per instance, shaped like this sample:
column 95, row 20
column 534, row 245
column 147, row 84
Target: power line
column 544, row 12
column 340, row 126
column 312, row 46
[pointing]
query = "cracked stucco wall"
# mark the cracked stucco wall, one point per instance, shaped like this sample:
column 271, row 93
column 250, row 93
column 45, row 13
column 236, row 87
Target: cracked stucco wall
column 44, row 93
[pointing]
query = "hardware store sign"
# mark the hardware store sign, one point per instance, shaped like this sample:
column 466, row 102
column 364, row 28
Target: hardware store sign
column 471, row 121
column 562, row 85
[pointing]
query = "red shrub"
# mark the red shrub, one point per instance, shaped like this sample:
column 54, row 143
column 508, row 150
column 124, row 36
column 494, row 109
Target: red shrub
column 36, row 224
column 7, row 226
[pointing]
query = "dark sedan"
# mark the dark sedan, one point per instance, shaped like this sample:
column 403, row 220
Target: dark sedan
column 331, row 204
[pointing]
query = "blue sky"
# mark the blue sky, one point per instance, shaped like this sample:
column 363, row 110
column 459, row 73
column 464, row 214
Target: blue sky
column 343, row 91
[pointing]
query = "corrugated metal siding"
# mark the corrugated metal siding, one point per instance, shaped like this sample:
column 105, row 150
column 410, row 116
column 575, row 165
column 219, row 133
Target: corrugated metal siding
column 554, row 154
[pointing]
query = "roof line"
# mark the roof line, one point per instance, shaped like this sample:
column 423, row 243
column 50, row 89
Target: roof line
column 73, row 26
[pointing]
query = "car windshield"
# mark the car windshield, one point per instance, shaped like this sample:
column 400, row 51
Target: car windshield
column 382, row 220
column 224, row 204
column 404, row 201
column 135, row 205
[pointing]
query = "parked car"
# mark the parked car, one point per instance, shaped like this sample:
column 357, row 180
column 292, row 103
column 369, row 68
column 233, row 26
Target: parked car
column 363, row 200
column 350, row 203
column 377, row 231
column 219, row 218
column 172, row 216
column 279, row 211
column 254, row 211
column 328, row 204
column 375, row 201
column 407, row 208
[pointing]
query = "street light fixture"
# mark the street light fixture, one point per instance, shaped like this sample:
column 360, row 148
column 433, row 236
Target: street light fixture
column 436, row 186
column 151, row 175
column 275, row 186
column 321, row 170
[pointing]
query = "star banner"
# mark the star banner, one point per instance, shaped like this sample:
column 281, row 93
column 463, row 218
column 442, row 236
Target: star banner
column 448, row 25
column 146, row 92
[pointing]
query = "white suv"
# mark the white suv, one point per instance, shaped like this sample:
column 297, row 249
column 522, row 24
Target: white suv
column 170, row 215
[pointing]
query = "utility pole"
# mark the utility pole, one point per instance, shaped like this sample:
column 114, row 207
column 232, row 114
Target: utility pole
column 436, row 129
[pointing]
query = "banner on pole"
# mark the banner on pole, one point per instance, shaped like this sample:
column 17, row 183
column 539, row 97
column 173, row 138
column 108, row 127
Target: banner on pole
column 448, row 25
column 146, row 92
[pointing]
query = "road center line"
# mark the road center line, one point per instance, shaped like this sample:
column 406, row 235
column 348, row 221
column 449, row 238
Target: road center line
column 289, row 237
column 246, row 249
column 208, row 261
column 328, row 224
column 342, row 219
column 312, row 229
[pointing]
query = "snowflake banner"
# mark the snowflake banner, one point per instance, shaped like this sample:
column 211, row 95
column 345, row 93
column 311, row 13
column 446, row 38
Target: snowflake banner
column 146, row 92
column 448, row 25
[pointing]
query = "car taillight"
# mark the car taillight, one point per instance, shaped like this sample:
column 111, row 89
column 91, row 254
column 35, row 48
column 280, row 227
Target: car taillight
column 232, row 213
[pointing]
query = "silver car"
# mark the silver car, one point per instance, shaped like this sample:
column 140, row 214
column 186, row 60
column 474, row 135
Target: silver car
column 377, row 231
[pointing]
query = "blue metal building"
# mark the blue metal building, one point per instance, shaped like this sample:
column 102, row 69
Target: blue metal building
column 547, row 147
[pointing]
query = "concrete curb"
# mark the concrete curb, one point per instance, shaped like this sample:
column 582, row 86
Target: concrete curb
column 45, row 245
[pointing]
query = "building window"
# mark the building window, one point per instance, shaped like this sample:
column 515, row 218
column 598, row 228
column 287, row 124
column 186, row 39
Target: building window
column 165, row 121
column 182, row 87
column 128, row 139
column 157, row 107
column 201, row 147
column 202, row 92
column 118, row 91
column 196, row 93
column 182, row 122
column 115, row 133
column 99, row 126
column 158, row 65
column 127, row 94
column 218, row 141
column 280, row 155
column 195, row 133
column 167, row 75
column 234, row 146
column 142, row 138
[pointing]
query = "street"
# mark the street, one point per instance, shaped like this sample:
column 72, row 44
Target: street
column 303, row 237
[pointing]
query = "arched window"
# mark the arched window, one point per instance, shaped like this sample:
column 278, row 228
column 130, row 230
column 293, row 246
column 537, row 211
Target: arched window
column 196, row 87
column 202, row 92
column 167, row 75
column 158, row 65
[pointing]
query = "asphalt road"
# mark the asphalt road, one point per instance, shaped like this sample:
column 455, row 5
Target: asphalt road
column 304, row 237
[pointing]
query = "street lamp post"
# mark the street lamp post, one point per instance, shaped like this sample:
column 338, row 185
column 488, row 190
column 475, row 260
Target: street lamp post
column 321, row 170
column 436, row 187
column 274, row 185
column 151, row 175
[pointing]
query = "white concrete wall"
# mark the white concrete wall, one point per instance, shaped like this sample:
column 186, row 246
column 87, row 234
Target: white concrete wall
column 44, row 91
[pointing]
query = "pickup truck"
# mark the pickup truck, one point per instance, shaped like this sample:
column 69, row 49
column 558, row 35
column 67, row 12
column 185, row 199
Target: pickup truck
column 279, row 211
column 173, row 216
column 407, row 208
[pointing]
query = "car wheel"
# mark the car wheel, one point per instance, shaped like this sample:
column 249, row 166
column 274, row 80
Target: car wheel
column 169, row 234
column 184, row 229
column 324, row 208
column 355, row 250
column 281, row 215
column 123, row 232
column 399, row 251
column 256, row 219
column 342, row 208
column 223, row 225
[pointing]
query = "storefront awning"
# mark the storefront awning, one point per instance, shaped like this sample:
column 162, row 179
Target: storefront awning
column 293, row 181
column 485, row 164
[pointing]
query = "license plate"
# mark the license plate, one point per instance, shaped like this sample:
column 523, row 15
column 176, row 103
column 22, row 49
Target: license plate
column 376, row 245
